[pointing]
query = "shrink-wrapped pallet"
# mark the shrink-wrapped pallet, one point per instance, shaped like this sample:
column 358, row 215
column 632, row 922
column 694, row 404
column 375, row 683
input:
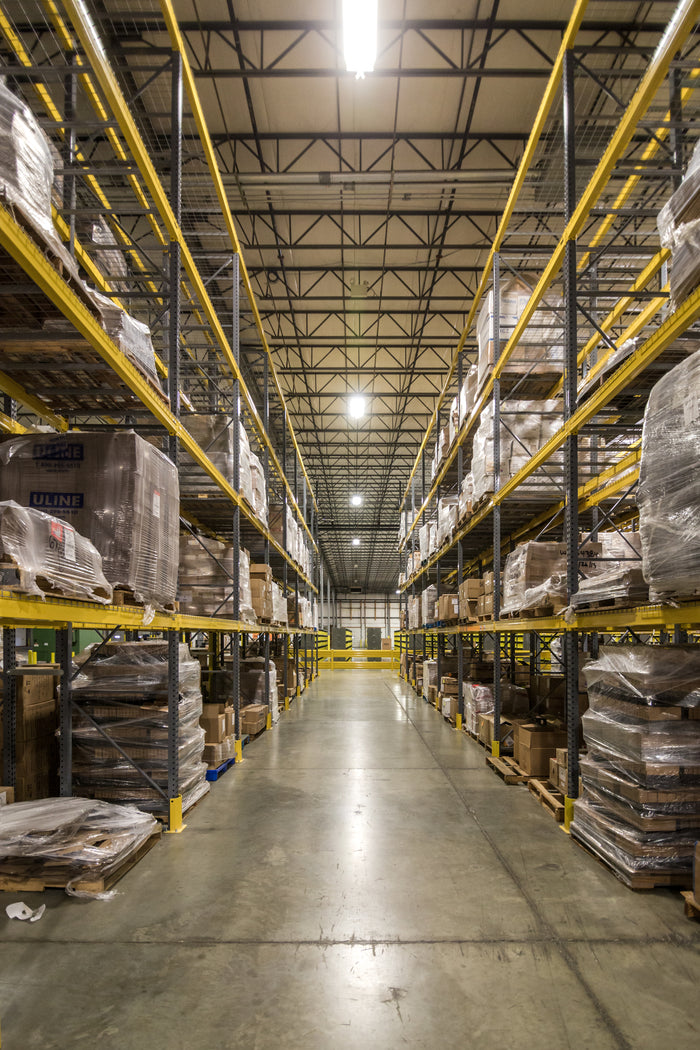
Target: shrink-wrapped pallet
column 540, row 349
column 214, row 435
column 206, row 576
column 107, row 254
column 684, row 205
column 453, row 422
column 616, row 574
column 424, row 541
column 669, row 483
column 257, row 475
column 447, row 518
column 525, row 427
column 478, row 700
column 39, row 553
column 74, row 840
column 26, row 172
column 534, row 576
column 132, row 337
column 117, row 490
column 279, row 605
column 253, row 683
column 428, row 600
column 467, row 394
column 123, row 688
column 641, row 777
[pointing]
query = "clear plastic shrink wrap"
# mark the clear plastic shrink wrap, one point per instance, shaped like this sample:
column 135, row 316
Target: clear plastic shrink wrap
column 131, row 336
column 109, row 258
column 428, row 600
column 82, row 839
column 414, row 613
column 478, row 700
column 466, row 496
column 214, row 435
column 424, row 541
column 124, row 688
column 46, row 553
column 253, row 683
column 116, row 490
column 617, row 573
column 646, row 675
column 534, row 575
column 246, row 611
column 669, row 483
column 641, row 805
column 525, row 427
column 453, row 425
column 467, row 395
column 279, row 605
column 259, row 489
column 26, row 171
column 447, row 518
column 206, row 577
column 540, row 348
column 684, row 205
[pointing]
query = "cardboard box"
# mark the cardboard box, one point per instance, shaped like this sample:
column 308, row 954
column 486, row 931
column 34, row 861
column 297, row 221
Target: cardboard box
column 563, row 757
column 7, row 795
column 260, row 571
column 468, row 609
column 230, row 716
column 37, row 687
column 487, row 581
column 553, row 773
column 449, row 706
column 214, row 728
column 486, row 729
column 448, row 686
column 540, row 736
column 387, row 644
column 253, row 718
column 534, row 760
column 472, row 588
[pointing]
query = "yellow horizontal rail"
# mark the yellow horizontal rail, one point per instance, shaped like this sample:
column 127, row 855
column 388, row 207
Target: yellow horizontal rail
column 207, row 145
column 523, row 168
column 677, row 32
column 20, row 246
column 99, row 61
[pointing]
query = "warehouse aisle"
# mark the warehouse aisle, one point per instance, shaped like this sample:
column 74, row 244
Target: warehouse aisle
column 359, row 882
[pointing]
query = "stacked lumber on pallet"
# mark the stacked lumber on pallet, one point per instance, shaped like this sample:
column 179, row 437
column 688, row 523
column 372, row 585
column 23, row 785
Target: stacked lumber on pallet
column 640, row 811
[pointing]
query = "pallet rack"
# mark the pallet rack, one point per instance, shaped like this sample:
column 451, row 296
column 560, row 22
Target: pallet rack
column 215, row 357
column 633, row 122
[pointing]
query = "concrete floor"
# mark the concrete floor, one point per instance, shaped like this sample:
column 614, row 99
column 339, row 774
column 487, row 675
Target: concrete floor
column 360, row 881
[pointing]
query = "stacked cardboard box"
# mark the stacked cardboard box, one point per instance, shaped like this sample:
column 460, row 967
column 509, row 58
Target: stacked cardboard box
column 7, row 795
column 206, row 576
column 640, row 811
column 124, row 688
column 261, row 591
column 448, row 607
column 540, row 349
column 36, row 725
column 535, row 744
column 116, row 490
column 253, row 718
column 478, row 700
column 469, row 593
column 218, row 723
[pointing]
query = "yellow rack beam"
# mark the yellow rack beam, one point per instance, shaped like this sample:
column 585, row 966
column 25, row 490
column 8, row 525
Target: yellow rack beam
column 676, row 34
column 99, row 61
column 20, row 246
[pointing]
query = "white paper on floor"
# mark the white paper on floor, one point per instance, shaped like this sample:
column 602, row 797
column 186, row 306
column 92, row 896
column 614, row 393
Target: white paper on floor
column 21, row 911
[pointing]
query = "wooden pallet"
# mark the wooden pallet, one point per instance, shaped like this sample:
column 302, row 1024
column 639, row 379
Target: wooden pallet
column 549, row 797
column 533, row 614
column 612, row 603
column 691, row 905
column 123, row 596
column 56, row 878
column 508, row 769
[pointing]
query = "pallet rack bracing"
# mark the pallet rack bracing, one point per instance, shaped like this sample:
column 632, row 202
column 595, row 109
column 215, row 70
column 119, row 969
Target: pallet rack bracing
column 611, row 141
column 55, row 61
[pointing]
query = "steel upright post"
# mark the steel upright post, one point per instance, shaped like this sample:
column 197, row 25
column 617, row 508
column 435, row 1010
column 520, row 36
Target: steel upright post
column 571, row 455
column 64, row 640
column 459, row 714
column 175, row 799
column 266, row 472
column 236, row 482
column 9, row 707
column 496, row 745
column 285, row 567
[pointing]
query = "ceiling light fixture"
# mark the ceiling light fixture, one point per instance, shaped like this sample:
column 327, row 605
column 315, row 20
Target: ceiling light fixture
column 360, row 36
column 356, row 500
column 355, row 541
column 356, row 406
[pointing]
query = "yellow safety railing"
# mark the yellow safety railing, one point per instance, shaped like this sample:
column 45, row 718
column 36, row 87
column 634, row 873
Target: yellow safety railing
column 352, row 659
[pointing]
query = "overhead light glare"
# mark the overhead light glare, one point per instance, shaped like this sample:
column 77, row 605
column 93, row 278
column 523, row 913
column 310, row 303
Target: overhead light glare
column 356, row 500
column 356, row 406
column 360, row 36
column 355, row 541
column 398, row 591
